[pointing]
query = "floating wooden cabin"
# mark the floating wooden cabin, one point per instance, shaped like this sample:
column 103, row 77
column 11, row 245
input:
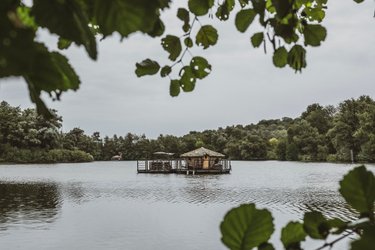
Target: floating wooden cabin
column 198, row 161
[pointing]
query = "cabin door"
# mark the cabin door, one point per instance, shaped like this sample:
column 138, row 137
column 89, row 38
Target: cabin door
column 205, row 162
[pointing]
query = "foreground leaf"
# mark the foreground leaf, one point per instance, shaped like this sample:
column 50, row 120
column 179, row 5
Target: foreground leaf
column 200, row 67
column 283, row 7
column 244, row 18
column 166, row 70
column 246, row 227
column 316, row 225
column 63, row 43
column 187, row 81
column 51, row 73
column 297, row 57
column 314, row 34
column 224, row 9
column 292, row 235
column 172, row 45
column 174, row 88
column 127, row 17
column 257, row 39
column 358, row 189
column 183, row 15
column 280, row 57
column 266, row 246
column 147, row 67
column 206, row 36
column 367, row 240
column 67, row 19
column 17, row 54
column 200, row 7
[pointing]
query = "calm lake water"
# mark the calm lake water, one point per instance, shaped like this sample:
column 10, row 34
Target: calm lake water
column 107, row 205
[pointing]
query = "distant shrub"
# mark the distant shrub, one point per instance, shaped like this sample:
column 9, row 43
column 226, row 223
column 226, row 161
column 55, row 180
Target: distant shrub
column 332, row 158
column 305, row 158
column 16, row 155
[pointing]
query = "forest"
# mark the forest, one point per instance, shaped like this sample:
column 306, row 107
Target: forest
column 320, row 133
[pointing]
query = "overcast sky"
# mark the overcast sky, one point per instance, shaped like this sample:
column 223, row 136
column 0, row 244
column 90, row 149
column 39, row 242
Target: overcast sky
column 244, row 86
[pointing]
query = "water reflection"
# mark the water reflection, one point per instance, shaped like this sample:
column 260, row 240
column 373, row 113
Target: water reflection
column 28, row 203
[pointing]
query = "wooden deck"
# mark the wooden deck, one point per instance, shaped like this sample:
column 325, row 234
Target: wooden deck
column 179, row 166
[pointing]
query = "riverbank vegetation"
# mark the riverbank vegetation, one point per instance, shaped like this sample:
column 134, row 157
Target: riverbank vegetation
column 319, row 134
column 26, row 137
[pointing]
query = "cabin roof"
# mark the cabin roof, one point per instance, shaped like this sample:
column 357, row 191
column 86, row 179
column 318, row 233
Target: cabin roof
column 200, row 152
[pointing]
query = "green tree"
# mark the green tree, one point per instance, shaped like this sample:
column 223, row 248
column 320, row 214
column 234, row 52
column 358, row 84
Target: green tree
column 350, row 124
column 318, row 117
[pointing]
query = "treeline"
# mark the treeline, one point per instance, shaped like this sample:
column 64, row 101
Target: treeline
column 335, row 134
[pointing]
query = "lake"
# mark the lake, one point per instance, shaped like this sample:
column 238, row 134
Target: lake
column 107, row 205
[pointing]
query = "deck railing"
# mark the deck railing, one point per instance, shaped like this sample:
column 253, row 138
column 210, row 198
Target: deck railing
column 178, row 165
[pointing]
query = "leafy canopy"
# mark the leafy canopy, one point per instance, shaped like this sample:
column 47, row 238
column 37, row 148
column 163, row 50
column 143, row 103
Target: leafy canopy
column 288, row 28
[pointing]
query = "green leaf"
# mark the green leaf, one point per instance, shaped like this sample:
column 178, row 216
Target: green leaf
column 147, row 67
column 174, row 88
column 286, row 31
column 292, row 235
column 270, row 7
column 24, row 14
column 338, row 225
column 314, row 14
column 244, row 18
column 280, row 57
column 67, row 19
column 224, row 10
column 259, row 6
column 186, row 27
column 200, row 67
column 314, row 34
column 358, row 1
column 297, row 57
column 127, row 17
column 183, row 15
column 266, row 246
column 358, row 189
column 315, row 225
column 16, row 52
column 188, row 42
column 257, row 39
column 246, row 227
column 200, row 7
column 243, row 3
column 51, row 73
column 188, row 79
column 166, row 70
column 158, row 29
column 366, row 241
column 172, row 45
column 63, row 43
column 35, row 98
column 283, row 7
column 70, row 78
column 206, row 36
